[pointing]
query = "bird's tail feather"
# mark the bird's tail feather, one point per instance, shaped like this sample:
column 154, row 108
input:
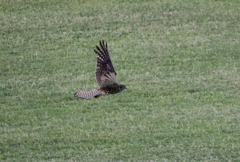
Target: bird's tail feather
column 89, row 94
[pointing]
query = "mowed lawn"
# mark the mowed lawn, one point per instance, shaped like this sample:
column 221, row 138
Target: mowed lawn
column 180, row 61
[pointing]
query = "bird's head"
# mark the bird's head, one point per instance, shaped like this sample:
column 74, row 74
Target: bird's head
column 122, row 87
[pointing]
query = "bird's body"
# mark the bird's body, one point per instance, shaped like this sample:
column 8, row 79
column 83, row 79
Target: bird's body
column 106, row 76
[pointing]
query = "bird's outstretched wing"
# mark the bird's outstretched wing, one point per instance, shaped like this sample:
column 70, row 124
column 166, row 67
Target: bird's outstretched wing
column 106, row 76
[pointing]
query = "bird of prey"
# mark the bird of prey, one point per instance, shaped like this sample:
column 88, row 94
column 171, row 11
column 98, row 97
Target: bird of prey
column 106, row 76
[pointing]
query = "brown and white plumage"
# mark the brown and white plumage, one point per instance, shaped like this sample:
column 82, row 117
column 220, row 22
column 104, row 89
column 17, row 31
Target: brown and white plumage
column 106, row 75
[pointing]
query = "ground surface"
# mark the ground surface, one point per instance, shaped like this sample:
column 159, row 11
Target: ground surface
column 180, row 61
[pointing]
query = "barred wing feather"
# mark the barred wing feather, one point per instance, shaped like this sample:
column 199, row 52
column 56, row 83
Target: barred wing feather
column 105, row 72
column 111, row 80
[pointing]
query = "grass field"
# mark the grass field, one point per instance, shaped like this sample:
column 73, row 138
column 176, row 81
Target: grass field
column 180, row 61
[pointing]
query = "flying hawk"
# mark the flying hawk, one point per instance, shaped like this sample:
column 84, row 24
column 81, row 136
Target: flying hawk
column 106, row 76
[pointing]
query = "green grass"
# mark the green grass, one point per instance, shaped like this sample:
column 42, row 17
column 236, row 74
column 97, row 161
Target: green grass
column 180, row 61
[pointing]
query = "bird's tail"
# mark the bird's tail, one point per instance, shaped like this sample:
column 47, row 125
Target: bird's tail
column 89, row 94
